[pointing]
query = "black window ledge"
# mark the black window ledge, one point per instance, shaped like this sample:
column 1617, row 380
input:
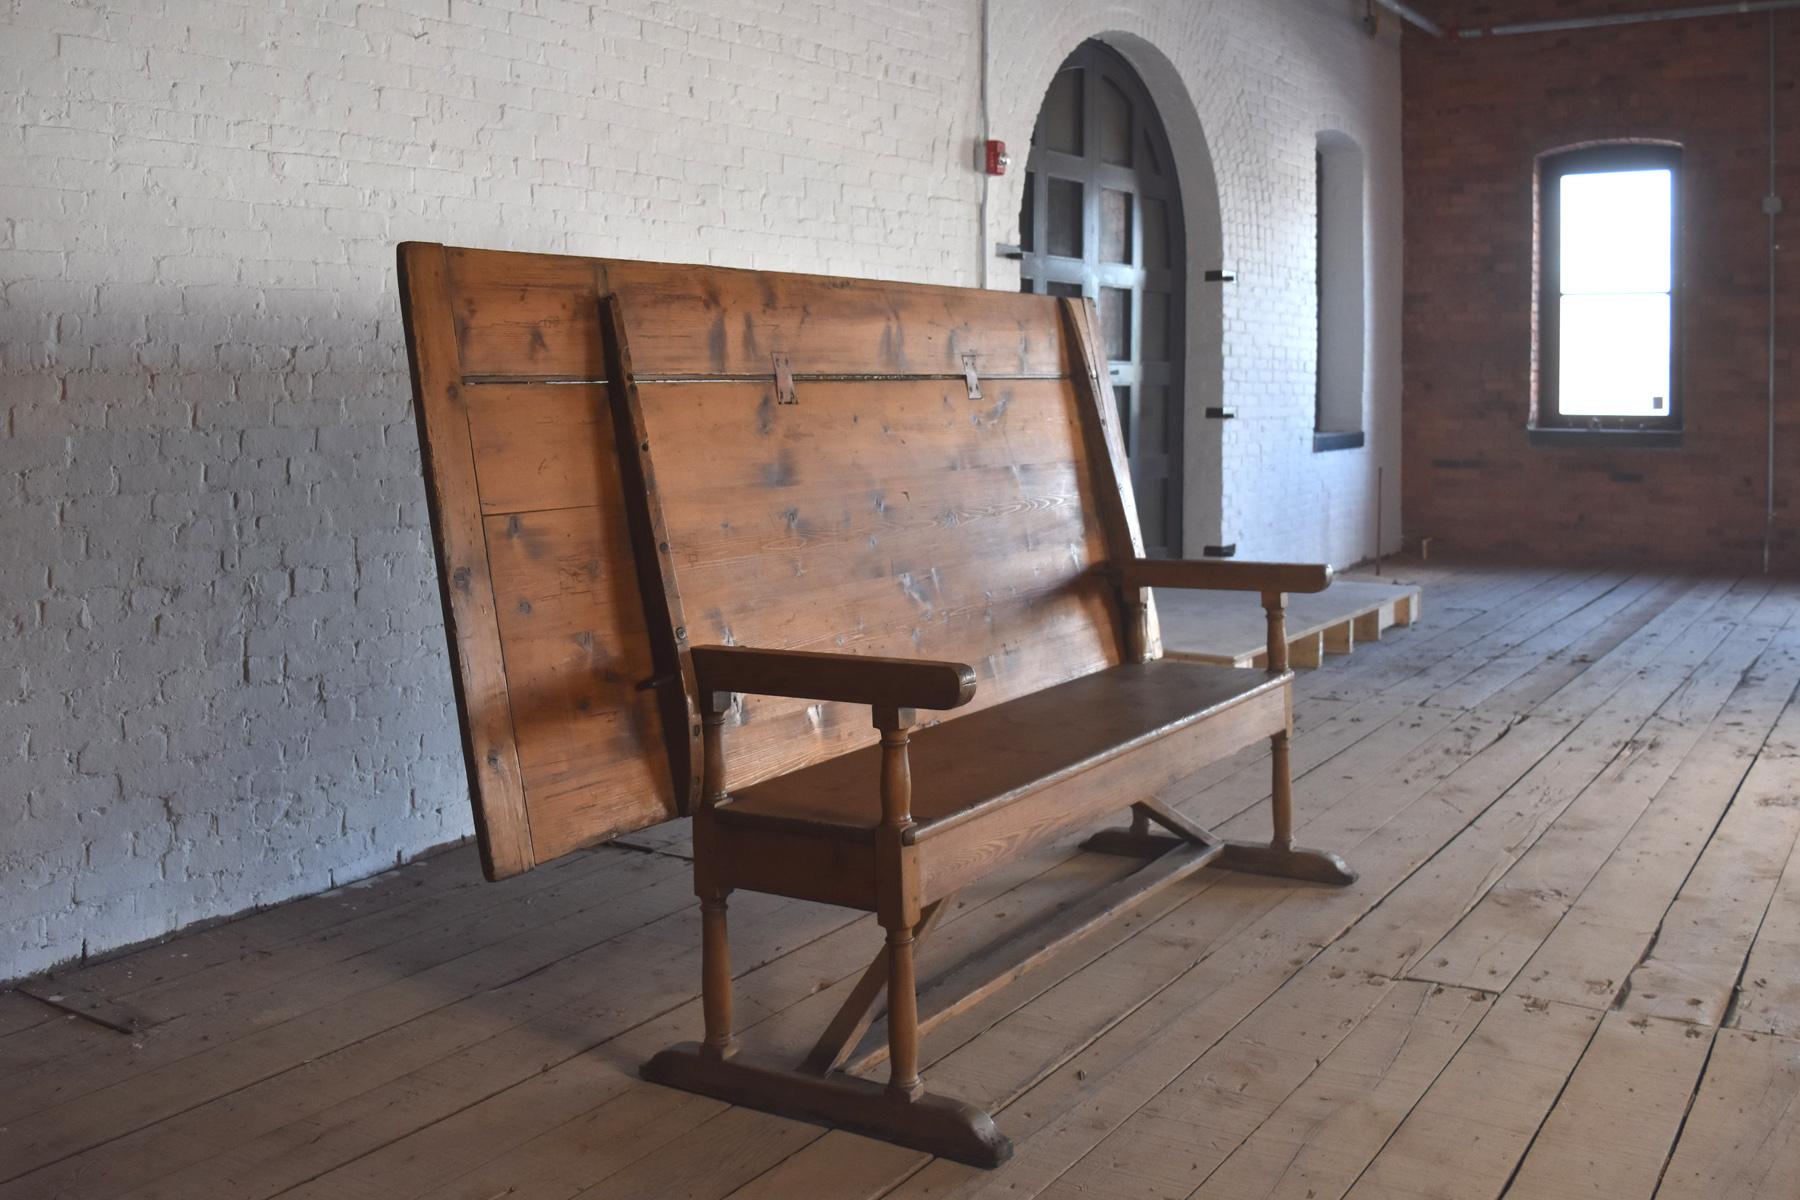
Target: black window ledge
column 1322, row 442
column 1616, row 439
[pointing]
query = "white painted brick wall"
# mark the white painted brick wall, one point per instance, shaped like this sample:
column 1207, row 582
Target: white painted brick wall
column 1258, row 80
column 225, row 681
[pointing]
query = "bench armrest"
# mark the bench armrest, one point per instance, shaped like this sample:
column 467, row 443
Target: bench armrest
column 851, row 678
column 1226, row 576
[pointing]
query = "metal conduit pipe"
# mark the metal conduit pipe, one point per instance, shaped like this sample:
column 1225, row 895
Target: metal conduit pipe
column 1772, row 206
column 983, row 252
column 1408, row 13
column 1565, row 24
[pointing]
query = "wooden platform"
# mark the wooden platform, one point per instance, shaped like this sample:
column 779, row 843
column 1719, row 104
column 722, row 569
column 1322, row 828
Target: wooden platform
column 1571, row 968
column 1222, row 627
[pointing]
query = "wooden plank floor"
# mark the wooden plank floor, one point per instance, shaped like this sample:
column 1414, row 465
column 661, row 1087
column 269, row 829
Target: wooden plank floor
column 1571, row 968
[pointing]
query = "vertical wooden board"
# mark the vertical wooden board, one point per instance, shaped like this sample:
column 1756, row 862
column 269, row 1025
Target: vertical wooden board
column 677, row 693
column 478, row 670
column 1341, row 638
column 881, row 517
column 1105, row 447
column 1307, row 652
column 1742, row 1139
column 1614, row 1125
column 1474, row 1123
column 590, row 738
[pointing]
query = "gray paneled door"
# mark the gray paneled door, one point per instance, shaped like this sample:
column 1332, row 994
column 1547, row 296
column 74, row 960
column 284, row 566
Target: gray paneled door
column 1102, row 218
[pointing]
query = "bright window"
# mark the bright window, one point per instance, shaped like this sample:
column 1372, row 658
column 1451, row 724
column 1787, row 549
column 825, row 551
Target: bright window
column 1607, row 324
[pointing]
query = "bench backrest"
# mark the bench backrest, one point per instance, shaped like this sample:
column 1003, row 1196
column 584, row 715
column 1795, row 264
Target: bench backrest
column 625, row 459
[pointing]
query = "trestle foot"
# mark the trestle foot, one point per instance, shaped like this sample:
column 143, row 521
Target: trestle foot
column 1312, row 866
column 935, row 1124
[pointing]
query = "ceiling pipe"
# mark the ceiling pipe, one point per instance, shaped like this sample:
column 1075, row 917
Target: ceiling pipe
column 1772, row 207
column 1413, row 16
column 1565, row 24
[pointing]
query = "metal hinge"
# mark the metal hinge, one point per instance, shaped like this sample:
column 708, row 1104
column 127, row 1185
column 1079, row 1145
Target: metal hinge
column 969, row 375
column 784, row 381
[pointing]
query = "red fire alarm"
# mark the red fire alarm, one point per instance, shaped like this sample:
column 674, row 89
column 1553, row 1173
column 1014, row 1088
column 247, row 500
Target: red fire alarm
column 994, row 158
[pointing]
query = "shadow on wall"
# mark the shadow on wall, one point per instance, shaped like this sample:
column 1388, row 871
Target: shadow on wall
column 230, row 685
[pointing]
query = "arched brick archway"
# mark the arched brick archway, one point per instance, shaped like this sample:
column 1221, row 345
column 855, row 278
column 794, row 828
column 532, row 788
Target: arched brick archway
column 1201, row 445
column 1101, row 216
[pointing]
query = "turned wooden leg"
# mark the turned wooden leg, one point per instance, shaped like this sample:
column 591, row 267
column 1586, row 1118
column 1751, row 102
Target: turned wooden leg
column 715, row 979
column 903, row 1017
column 897, row 905
column 1282, row 793
column 1281, row 857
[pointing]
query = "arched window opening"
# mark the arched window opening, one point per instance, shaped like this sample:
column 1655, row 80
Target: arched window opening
column 1340, row 394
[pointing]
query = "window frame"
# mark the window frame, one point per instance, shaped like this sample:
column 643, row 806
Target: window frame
column 1609, row 156
column 1340, row 171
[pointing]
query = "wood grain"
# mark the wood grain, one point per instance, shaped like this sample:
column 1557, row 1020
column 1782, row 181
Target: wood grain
column 898, row 519
column 1006, row 754
column 1611, row 1131
column 490, row 750
column 535, row 315
column 577, row 655
column 1742, row 1138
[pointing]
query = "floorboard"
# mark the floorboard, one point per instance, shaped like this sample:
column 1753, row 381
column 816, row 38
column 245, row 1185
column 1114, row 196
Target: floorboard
column 1571, row 968
column 1609, row 1135
column 1742, row 1138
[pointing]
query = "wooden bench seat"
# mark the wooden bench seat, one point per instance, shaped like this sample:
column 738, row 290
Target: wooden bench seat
column 849, row 573
column 967, row 770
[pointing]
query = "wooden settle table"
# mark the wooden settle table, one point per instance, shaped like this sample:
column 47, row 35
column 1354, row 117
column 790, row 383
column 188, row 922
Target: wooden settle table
column 847, row 572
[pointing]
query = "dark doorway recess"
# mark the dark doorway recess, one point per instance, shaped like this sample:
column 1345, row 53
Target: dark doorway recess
column 1102, row 218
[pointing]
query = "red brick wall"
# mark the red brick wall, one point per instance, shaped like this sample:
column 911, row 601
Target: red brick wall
column 1477, row 113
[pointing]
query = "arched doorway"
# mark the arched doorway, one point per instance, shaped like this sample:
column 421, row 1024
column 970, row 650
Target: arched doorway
column 1102, row 217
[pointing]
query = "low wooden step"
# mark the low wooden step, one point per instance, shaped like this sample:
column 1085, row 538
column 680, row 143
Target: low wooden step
column 1229, row 628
